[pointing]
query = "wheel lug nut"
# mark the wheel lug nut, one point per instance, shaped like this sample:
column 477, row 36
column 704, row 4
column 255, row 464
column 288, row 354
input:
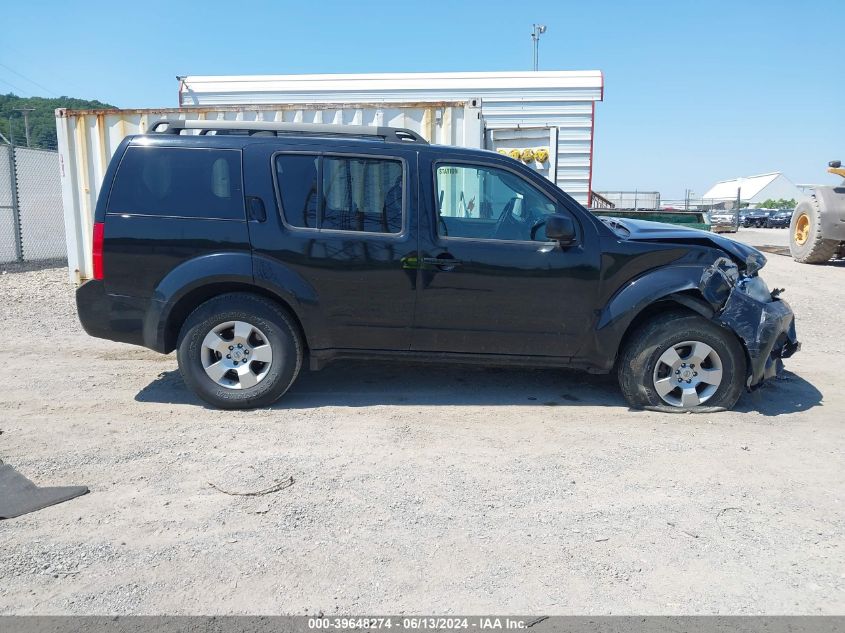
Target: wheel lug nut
column 688, row 381
column 695, row 373
column 231, row 347
column 236, row 363
column 677, row 371
column 239, row 345
column 680, row 380
column 683, row 364
column 228, row 356
column 246, row 351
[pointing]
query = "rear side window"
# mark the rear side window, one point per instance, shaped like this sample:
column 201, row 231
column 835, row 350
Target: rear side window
column 167, row 181
column 341, row 194
column 297, row 175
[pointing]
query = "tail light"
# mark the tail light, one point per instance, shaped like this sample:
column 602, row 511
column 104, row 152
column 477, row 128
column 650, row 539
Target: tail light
column 97, row 250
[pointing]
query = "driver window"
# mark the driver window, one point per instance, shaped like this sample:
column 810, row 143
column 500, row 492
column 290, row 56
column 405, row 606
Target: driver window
column 489, row 203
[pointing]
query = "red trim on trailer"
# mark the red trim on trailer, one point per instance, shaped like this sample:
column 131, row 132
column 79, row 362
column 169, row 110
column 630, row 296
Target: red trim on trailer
column 592, row 140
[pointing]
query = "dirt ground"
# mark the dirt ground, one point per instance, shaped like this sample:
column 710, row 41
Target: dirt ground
column 419, row 490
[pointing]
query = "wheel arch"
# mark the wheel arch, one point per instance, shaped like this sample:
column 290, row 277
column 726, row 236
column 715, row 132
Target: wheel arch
column 189, row 301
column 202, row 278
column 639, row 298
column 689, row 301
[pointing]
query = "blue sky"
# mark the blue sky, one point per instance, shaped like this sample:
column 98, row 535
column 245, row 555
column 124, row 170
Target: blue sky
column 694, row 91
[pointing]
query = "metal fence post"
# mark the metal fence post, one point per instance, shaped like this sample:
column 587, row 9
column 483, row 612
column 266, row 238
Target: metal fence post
column 16, row 210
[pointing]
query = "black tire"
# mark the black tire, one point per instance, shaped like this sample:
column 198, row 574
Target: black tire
column 816, row 249
column 271, row 319
column 643, row 349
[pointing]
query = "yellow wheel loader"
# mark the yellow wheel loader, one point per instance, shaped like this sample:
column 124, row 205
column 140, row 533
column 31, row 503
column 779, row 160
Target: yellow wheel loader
column 817, row 229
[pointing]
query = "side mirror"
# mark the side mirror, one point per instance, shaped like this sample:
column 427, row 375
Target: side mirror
column 560, row 228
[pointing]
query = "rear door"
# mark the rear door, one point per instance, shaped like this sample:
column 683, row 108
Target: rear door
column 170, row 204
column 490, row 282
column 345, row 224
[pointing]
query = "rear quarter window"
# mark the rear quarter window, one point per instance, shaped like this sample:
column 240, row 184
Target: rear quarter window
column 176, row 182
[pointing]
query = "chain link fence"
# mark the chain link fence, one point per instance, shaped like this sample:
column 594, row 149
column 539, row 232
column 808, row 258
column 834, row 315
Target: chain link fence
column 31, row 221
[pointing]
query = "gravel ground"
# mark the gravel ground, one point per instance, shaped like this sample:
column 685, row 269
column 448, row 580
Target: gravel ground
column 415, row 490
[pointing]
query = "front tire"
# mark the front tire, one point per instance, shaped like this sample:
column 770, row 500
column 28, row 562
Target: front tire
column 680, row 362
column 239, row 351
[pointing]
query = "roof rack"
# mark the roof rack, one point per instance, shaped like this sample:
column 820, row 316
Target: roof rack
column 388, row 134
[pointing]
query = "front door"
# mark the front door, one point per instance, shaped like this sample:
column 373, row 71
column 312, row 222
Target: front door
column 489, row 281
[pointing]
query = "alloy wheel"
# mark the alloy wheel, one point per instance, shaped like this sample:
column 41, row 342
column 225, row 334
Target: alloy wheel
column 687, row 374
column 236, row 355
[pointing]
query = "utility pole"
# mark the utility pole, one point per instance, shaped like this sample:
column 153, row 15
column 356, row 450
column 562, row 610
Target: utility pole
column 539, row 29
column 26, row 112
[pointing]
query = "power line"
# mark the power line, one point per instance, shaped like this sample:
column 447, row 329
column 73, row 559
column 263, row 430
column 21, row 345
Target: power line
column 18, row 54
column 18, row 88
column 28, row 79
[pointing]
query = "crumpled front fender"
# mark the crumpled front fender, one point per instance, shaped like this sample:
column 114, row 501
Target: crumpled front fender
column 766, row 329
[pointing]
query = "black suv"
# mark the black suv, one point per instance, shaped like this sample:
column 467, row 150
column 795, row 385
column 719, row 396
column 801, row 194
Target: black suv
column 252, row 248
column 755, row 218
column 780, row 219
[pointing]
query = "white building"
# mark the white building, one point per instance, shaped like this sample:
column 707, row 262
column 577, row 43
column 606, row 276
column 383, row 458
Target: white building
column 753, row 189
column 551, row 110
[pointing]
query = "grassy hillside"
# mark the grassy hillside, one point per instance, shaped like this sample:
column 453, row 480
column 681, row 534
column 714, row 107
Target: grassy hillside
column 42, row 121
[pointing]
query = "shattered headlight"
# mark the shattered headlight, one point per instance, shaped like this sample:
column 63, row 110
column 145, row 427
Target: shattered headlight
column 755, row 288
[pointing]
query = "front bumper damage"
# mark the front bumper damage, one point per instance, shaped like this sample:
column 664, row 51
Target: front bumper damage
column 766, row 328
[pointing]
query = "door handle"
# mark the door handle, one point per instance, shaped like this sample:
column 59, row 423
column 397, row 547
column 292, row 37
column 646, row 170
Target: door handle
column 442, row 262
column 255, row 209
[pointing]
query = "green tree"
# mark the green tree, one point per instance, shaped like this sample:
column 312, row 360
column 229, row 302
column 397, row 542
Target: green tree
column 782, row 203
column 42, row 120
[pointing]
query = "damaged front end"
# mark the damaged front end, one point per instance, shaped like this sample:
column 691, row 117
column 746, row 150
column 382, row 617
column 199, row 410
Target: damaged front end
column 764, row 322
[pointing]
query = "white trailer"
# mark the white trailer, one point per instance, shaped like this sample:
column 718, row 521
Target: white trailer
column 553, row 111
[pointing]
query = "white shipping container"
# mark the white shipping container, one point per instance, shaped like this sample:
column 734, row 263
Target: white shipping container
column 89, row 138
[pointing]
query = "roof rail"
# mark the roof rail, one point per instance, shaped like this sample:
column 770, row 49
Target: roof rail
column 388, row 134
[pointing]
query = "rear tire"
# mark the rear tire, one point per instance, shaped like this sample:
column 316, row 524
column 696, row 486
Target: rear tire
column 214, row 346
column 805, row 234
column 644, row 374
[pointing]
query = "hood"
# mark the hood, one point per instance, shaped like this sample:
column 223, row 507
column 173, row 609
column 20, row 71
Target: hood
column 749, row 259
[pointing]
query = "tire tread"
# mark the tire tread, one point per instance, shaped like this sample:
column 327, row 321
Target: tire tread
column 821, row 249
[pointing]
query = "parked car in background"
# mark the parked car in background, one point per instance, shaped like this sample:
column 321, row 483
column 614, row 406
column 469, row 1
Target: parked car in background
column 268, row 246
column 756, row 218
column 723, row 222
column 780, row 219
